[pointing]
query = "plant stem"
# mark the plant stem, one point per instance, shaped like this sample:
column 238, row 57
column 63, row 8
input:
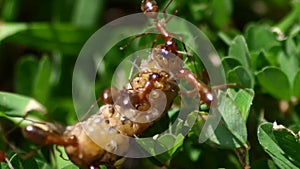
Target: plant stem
column 290, row 19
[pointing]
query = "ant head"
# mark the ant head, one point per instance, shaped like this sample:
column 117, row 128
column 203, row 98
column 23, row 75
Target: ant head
column 154, row 76
column 171, row 46
column 150, row 8
column 108, row 95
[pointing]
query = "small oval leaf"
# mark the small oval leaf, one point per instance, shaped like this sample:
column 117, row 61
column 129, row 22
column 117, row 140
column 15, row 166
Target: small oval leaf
column 241, row 76
column 260, row 37
column 243, row 100
column 268, row 141
column 231, row 132
column 230, row 62
column 275, row 82
column 296, row 85
column 239, row 50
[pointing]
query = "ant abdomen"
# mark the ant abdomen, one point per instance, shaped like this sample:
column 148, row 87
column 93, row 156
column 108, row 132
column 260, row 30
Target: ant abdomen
column 35, row 134
column 47, row 136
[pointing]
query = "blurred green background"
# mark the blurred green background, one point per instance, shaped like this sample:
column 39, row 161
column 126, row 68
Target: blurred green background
column 60, row 27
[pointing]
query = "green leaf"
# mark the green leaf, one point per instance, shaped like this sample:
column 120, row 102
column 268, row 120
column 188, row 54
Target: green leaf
column 18, row 106
column 289, row 64
column 19, row 163
column 268, row 141
column 296, row 85
column 230, row 62
column 291, row 47
column 70, row 166
column 272, row 55
column 62, row 37
column 233, row 118
column 263, row 163
column 241, row 76
column 171, row 142
column 25, row 74
column 239, row 50
column 260, row 37
column 43, row 165
column 42, row 84
column 259, row 60
column 148, row 145
column 231, row 131
column 225, row 38
column 288, row 141
column 197, row 11
column 243, row 100
column 10, row 10
column 9, row 29
column 58, row 153
column 84, row 17
column 295, row 30
column 168, row 142
column 221, row 12
column 275, row 82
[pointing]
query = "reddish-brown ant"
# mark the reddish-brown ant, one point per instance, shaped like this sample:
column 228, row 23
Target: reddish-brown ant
column 168, row 56
column 170, row 53
column 150, row 9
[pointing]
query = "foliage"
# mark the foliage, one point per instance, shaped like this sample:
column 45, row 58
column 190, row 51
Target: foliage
column 40, row 41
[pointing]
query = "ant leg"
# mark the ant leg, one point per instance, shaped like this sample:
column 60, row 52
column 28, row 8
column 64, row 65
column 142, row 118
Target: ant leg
column 23, row 118
column 206, row 95
column 155, row 40
column 185, row 52
column 204, row 76
column 131, row 40
column 166, row 7
column 135, row 37
column 222, row 86
column 174, row 13
column 85, row 116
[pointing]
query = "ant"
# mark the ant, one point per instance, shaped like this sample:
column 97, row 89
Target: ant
column 168, row 56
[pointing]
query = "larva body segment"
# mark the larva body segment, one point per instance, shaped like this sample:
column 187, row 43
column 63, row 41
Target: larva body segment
column 113, row 122
column 88, row 151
